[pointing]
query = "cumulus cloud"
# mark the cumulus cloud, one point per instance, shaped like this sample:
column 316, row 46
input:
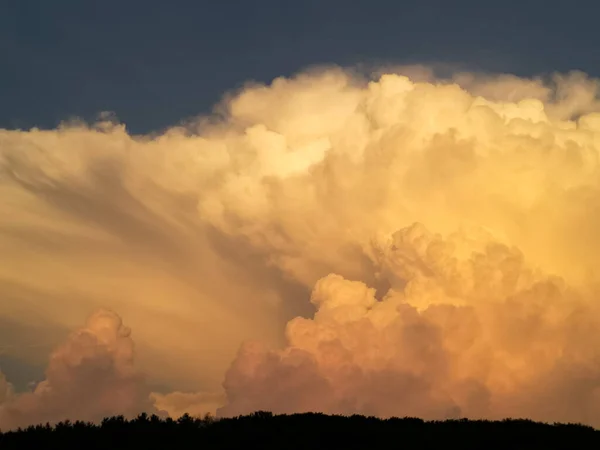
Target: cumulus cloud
column 477, row 334
column 90, row 376
column 447, row 229
column 197, row 404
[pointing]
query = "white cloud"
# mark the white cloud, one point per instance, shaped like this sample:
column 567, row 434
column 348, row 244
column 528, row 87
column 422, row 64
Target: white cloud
column 208, row 236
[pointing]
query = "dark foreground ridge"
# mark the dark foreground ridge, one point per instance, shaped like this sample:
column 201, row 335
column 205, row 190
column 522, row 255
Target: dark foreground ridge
column 265, row 431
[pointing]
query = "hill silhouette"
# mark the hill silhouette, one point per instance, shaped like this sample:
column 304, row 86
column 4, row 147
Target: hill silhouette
column 263, row 430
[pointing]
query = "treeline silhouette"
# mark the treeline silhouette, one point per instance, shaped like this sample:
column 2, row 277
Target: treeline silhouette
column 265, row 431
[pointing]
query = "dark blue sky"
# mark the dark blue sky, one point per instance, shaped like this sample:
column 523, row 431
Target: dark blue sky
column 156, row 62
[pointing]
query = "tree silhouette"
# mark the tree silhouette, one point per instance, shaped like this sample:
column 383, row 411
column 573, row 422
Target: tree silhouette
column 263, row 430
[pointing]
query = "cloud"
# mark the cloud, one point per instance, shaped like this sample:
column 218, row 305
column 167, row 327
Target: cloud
column 197, row 404
column 90, row 376
column 467, row 329
column 6, row 389
column 82, row 236
column 446, row 227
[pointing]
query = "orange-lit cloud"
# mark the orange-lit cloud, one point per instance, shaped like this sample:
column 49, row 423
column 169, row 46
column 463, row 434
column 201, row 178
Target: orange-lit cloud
column 447, row 230
column 466, row 330
column 6, row 389
column 89, row 377
column 196, row 404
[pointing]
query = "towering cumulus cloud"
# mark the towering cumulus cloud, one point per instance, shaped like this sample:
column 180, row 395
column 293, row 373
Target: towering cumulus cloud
column 89, row 377
column 445, row 232
column 471, row 335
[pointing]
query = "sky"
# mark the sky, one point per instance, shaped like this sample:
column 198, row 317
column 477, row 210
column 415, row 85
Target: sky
column 154, row 66
column 382, row 208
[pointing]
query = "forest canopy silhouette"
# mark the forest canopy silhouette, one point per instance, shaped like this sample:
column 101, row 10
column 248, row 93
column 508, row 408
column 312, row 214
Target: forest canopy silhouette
column 263, row 430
